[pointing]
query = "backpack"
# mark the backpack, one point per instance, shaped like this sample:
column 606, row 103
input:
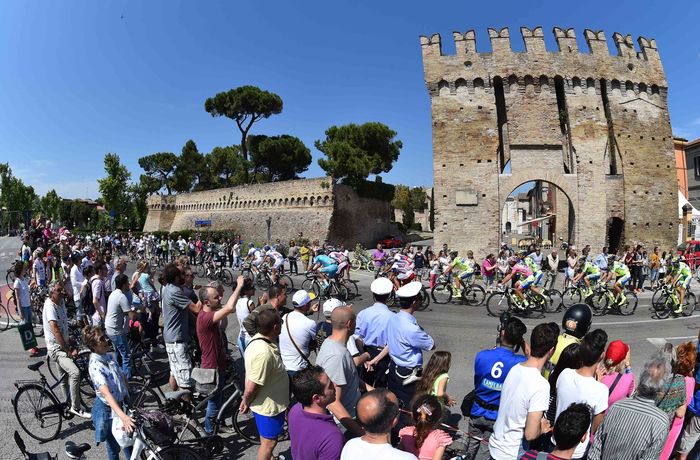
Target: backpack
column 86, row 299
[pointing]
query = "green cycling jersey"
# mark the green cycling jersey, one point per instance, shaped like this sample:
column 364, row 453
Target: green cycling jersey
column 684, row 270
column 463, row 265
column 590, row 269
column 620, row 269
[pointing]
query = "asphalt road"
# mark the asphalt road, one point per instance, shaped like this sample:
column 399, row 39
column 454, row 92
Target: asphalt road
column 462, row 330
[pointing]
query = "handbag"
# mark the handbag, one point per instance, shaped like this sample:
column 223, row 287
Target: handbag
column 206, row 380
column 467, row 403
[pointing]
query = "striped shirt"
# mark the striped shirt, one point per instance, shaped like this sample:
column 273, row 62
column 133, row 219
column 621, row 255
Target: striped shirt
column 633, row 429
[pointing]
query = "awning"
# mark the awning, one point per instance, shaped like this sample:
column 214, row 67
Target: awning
column 682, row 201
column 547, row 217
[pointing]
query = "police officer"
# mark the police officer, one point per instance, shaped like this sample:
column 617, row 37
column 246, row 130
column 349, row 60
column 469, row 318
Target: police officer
column 490, row 370
column 575, row 324
column 371, row 328
column 406, row 340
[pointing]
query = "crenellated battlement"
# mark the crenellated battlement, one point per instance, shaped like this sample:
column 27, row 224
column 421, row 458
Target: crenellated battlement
column 639, row 63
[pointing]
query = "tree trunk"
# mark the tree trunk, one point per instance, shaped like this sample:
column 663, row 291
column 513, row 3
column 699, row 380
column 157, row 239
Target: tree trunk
column 244, row 153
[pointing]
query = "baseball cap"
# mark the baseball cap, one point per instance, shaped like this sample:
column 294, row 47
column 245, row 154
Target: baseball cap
column 409, row 290
column 617, row 351
column 301, row 298
column 330, row 305
column 381, row 286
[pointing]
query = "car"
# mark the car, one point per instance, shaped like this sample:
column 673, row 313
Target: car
column 390, row 241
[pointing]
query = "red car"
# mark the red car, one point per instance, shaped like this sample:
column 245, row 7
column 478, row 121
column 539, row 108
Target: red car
column 390, row 242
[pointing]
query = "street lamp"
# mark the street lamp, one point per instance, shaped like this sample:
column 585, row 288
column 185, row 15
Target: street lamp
column 269, row 234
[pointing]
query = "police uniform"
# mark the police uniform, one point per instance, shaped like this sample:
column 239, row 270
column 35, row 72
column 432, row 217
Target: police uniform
column 372, row 330
column 407, row 341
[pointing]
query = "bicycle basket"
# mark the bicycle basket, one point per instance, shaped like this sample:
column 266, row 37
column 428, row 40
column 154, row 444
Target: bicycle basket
column 158, row 426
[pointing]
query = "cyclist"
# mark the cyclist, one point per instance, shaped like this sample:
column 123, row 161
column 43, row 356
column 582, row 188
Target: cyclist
column 255, row 257
column 682, row 280
column 531, row 261
column 275, row 258
column 527, row 280
column 465, row 270
column 325, row 266
column 622, row 273
column 342, row 260
column 401, row 270
column 589, row 272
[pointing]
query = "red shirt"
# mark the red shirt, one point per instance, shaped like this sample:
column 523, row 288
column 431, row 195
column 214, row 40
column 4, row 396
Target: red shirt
column 213, row 353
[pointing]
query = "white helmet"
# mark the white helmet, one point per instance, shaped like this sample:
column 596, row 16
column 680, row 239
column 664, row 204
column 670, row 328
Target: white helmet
column 330, row 305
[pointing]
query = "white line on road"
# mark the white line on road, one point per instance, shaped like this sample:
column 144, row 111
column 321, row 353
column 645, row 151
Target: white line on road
column 624, row 323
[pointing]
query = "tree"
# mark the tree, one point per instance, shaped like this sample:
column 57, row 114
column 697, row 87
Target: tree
column 245, row 105
column 227, row 165
column 418, row 198
column 353, row 152
column 17, row 200
column 114, row 187
column 50, row 205
column 160, row 166
column 279, row 157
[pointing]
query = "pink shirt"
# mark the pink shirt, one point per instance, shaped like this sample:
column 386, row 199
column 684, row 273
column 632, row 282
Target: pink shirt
column 435, row 439
column 521, row 269
column 623, row 389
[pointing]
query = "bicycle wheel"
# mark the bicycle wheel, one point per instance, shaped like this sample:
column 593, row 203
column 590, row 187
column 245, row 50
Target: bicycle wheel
column 226, row 277
column 658, row 292
column 689, row 304
column 355, row 264
column 497, row 303
column 599, row 303
column 307, row 284
column 38, row 412
column 263, row 280
column 201, row 270
column 353, row 289
column 142, row 397
column 244, row 424
column 12, row 307
column 441, row 293
column 10, row 277
column 185, row 431
column 474, row 295
column 4, row 318
column 82, row 360
column 179, row 452
column 338, row 291
column 424, row 299
column 571, row 296
column 37, row 324
column 630, row 304
column 286, row 280
column 664, row 306
column 554, row 300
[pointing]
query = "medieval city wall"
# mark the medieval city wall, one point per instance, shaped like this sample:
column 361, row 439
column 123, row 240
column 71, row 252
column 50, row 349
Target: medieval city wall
column 316, row 207
column 593, row 124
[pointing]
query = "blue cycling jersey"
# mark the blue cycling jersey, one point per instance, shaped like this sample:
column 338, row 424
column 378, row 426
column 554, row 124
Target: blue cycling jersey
column 490, row 370
column 325, row 260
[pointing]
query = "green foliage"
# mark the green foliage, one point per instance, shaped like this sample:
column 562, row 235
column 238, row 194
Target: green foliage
column 188, row 164
column 353, row 152
column 409, row 200
column 245, row 105
column 17, row 200
column 279, row 157
column 227, row 165
column 160, row 166
column 375, row 190
column 50, row 205
column 113, row 188
column 418, row 198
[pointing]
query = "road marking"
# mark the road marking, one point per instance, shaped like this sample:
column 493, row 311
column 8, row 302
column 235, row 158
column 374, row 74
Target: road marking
column 623, row 323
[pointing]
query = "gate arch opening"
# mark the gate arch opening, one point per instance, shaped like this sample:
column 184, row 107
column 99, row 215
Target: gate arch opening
column 538, row 212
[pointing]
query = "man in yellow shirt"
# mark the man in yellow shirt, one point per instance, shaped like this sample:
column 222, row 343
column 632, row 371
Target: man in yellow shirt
column 575, row 324
column 267, row 385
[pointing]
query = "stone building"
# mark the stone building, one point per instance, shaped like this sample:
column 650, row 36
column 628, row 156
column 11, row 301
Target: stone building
column 594, row 125
column 317, row 207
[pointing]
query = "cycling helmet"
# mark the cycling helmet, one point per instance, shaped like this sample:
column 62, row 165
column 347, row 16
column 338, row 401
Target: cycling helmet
column 577, row 320
column 512, row 260
column 251, row 245
column 266, row 247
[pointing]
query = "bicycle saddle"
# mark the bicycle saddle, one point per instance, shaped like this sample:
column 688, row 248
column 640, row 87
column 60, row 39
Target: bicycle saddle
column 175, row 395
column 35, row 367
column 74, row 450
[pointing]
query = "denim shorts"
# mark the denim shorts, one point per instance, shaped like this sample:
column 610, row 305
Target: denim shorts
column 270, row 427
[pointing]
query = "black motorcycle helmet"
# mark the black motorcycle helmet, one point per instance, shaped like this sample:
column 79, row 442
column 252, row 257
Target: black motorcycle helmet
column 577, row 320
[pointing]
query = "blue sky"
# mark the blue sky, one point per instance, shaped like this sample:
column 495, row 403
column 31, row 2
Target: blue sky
column 83, row 78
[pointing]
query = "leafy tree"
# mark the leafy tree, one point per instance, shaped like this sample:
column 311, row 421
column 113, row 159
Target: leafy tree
column 245, row 105
column 418, row 198
column 114, row 188
column 227, row 165
column 17, row 199
column 279, row 157
column 160, row 166
column 353, row 152
column 50, row 205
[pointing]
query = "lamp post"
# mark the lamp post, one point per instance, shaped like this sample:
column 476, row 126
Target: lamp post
column 269, row 234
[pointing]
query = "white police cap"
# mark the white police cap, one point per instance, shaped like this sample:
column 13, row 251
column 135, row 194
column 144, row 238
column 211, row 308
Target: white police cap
column 381, row 286
column 409, row 290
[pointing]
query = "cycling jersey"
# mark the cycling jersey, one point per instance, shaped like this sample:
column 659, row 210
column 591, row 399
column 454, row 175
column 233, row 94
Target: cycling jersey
column 463, row 264
column 338, row 256
column 490, row 370
column 620, row 269
column 324, row 260
column 521, row 270
column 277, row 257
column 590, row 270
column 684, row 270
column 531, row 264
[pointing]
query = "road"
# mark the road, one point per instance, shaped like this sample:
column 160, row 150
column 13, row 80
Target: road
column 459, row 329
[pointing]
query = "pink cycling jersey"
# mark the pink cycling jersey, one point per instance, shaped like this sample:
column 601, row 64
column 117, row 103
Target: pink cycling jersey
column 521, row 269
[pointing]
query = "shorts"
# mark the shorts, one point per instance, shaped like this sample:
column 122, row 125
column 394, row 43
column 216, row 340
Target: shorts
column 623, row 280
column 342, row 265
column 258, row 261
column 690, row 435
column 538, row 278
column 465, row 275
column 269, row 426
column 685, row 281
column 278, row 263
column 527, row 282
column 330, row 270
column 593, row 277
column 180, row 365
column 406, row 277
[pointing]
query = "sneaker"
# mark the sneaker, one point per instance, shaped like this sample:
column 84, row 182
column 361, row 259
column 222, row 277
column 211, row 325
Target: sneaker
column 226, row 430
column 34, row 352
column 81, row 414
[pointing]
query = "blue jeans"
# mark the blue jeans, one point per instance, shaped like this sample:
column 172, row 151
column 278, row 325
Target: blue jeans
column 214, row 404
column 102, row 420
column 26, row 314
column 121, row 346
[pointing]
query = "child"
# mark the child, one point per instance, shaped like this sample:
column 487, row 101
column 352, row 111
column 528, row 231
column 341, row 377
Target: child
column 425, row 440
column 435, row 378
column 434, row 270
